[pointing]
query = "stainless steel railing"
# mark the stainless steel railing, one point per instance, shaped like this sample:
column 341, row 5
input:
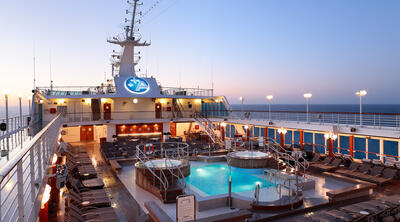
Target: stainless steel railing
column 23, row 177
column 15, row 135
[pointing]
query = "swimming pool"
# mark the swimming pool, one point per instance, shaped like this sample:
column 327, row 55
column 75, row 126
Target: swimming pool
column 213, row 179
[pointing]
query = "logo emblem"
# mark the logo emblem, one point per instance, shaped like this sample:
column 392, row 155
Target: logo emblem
column 137, row 85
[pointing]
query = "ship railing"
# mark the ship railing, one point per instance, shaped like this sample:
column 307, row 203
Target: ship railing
column 162, row 178
column 178, row 91
column 375, row 120
column 206, row 126
column 14, row 136
column 77, row 90
column 24, row 176
column 78, row 117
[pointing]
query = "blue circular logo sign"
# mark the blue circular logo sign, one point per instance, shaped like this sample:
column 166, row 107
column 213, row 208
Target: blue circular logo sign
column 137, row 85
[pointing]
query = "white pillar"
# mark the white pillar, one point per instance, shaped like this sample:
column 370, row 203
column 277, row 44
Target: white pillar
column 366, row 148
column 111, row 130
column 313, row 140
column 338, row 143
column 381, row 149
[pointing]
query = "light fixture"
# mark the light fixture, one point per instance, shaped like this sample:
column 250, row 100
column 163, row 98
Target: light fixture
column 246, row 127
column 88, row 101
column 41, row 101
column 103, row 100
column 223, row 124
column 198, row 101
column 282, row 131
column 54, row 160
column 19, row 95
column 162, row 101
column 330, row 135
column 6, row 92
column 361, row 93
column 270, row 97
column 46, row 196
column 61, row 101
column 135, row 100
column 217, row 100
column 307, row 95
column 241, row 99
column 180, row 101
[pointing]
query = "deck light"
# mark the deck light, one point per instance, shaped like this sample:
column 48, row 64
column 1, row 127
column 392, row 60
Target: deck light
column 198, row 101
column 103, row 100
column 19, row 95
column 88, row 101
column 61, row 101
column 41, row 101
column 241, row 100
column 307, row 96
column 330, row 135
column 6, row 92
column 282, row 131
column 361, row 93
column 217, row 100
column 135, row 100
column 46, row 196
column 54, row 159
column 246, row 127
column 223, row 124
column 269, row 98
column 162, row 101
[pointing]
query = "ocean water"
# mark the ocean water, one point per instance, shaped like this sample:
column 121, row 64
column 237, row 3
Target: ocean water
column 368, row 108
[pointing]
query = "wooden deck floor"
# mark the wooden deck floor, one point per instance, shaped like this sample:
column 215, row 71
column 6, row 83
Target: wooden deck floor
column 125, row 205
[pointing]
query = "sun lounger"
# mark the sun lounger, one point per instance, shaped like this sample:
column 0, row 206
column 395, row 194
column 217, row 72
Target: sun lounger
column 387, row 176
column 331, row 166
column 91, row 201
column 104, row 214
column 352, row 168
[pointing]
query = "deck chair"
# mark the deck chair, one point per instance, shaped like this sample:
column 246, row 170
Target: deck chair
column 95, row 201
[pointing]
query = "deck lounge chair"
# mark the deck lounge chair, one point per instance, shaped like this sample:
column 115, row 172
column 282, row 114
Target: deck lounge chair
column 93, row 201
column 364, row 169
column 342, row 216
column 387, row 176
column 375, row 171
column 317, row 166
column 331, row 166
column 104, row 214
column 352, row 168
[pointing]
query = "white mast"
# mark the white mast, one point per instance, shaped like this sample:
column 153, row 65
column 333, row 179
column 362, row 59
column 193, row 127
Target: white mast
column 127, row 62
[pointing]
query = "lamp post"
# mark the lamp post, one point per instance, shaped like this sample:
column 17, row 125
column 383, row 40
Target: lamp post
column 269, row 98
column 20, row 118
column 330, row 137
column 307, row 96
column 241, row 101
column 361, row 93
column 7, row 125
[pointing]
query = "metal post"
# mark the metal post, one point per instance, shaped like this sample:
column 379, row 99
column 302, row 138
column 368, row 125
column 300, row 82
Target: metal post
column 20, row 120
column 360, row 110
column 308, row 120
column 20, row 191
column 269, row 107
column 7, row 124
column 230, row 192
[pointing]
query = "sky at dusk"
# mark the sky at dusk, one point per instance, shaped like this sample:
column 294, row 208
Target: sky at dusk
column 247, row 48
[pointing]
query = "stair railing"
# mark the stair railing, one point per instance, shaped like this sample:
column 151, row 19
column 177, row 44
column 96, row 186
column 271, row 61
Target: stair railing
column 164, row 182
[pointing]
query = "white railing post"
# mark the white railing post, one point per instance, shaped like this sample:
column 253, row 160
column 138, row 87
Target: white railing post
column 32, row 172
column 20, row 191
column 39, row 155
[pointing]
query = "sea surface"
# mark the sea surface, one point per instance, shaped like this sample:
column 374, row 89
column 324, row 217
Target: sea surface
column 367, row 108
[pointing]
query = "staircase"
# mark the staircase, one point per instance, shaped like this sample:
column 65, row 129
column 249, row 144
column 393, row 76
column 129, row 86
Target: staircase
column 177, row 109
column 206, row 125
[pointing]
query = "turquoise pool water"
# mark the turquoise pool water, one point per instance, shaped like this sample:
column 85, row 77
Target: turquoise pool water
column 213, row 179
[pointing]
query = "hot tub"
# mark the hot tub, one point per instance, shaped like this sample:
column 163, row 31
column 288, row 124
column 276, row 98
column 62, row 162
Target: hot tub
column 248, row 159
column 163, row 163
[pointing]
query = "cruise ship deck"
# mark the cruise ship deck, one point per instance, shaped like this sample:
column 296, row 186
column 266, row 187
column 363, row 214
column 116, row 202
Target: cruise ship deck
column 133, row 149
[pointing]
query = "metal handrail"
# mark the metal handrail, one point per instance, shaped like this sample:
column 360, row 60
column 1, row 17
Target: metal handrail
column 305, row 164
column 177, row 176
column 210, row 132
column 25, row 175
column 164, row 183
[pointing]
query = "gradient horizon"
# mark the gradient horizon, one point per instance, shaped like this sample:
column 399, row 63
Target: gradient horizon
column 284, row 48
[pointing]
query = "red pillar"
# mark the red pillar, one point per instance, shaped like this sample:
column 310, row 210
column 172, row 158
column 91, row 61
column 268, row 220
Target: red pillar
column 282, row 139
column 301, row 138
column 223, row 133
column 266, row 134
column 330, row 147
column 44, row 213
column 248, row 134
column 351, row 146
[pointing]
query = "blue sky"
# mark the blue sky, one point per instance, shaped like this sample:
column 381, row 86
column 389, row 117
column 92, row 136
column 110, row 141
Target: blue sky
column 249, row 48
